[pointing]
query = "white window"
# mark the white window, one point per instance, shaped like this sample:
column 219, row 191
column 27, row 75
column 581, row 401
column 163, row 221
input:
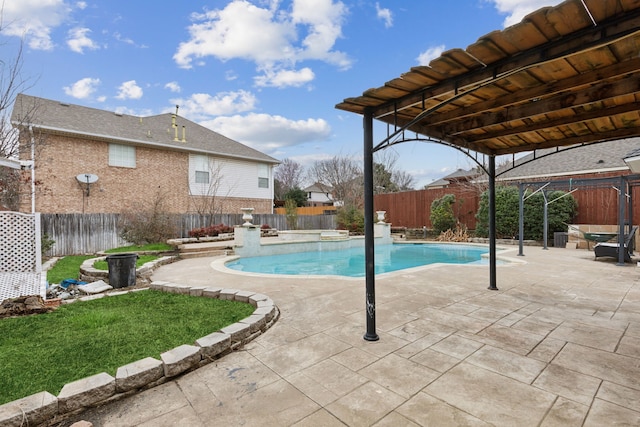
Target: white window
column 122, row 155
column 202, row 177
column 263, row 176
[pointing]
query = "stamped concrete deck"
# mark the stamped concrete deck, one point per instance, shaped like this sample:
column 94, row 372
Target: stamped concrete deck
column 558, row 344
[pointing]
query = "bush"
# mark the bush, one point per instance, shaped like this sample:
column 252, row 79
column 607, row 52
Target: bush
column 560, row 213
column 46, row 243
column 442, row 216
column 152, row 225
column 211, row 231
column 350, row 218
column 291, row 209
column 297, row 195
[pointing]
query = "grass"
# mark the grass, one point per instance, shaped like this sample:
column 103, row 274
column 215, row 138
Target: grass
column 142, row 248
column 67, row 268
column 46, row 351
column 104, row 265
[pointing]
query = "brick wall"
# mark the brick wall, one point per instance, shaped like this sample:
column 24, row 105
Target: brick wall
column 118, row 189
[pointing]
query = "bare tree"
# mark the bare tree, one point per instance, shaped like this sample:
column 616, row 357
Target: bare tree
column 341, row 176
column 289, row 175
column 207, row 190
column 13, row 183
column 403, row 180
column 387, row 178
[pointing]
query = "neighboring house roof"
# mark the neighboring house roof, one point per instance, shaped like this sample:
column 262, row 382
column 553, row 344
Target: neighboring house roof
column 155, row 131
column 318, row 188
column 459, row 175
column 591, row 158
column 438, row 183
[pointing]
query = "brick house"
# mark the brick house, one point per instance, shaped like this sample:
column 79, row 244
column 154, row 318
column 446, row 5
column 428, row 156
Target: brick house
column 137, row 161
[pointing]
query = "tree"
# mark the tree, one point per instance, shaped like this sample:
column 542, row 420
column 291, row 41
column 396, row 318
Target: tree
column 560, row 213
column 12, row 82
column 291, row 212
column 387, row 178
column 208, row 192
column 288, row 175
column 442, row 216
column 341, row 176
column 297, row 195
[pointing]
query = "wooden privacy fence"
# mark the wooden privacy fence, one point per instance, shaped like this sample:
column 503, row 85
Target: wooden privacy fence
column 413, row 208
column 90, row 233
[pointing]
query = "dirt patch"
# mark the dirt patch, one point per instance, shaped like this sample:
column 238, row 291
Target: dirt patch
column 24, row 306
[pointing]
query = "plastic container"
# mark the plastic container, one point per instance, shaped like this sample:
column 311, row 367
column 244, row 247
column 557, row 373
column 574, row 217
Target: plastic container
column 122, row 270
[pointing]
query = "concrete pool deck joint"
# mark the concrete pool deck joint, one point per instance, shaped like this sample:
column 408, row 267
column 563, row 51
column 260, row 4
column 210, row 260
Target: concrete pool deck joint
column 149, row 372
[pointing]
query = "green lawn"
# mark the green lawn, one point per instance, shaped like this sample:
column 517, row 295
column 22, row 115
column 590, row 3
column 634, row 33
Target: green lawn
column 44, row 352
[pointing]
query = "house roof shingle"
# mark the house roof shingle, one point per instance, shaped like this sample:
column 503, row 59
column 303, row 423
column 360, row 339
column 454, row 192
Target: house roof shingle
column 601, row 157
column 157, row 131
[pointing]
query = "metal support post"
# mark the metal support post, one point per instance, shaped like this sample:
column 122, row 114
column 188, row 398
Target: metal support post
column 370, row 274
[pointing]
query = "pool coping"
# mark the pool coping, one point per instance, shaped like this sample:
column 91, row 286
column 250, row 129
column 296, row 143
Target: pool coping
column 82, row 394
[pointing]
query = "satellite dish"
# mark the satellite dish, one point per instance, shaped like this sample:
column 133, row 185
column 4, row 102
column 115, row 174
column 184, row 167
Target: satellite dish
column 87, row 178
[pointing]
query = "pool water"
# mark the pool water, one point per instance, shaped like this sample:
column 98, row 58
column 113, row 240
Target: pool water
column 350, row 262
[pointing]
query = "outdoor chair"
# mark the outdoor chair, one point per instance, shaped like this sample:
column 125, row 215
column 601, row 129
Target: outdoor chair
column 610, row 249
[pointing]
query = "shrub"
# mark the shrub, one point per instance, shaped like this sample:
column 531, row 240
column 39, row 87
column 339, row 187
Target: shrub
column 210, row 231
column 291, row 209
column 560, row 212
column 442, row 216
column 350, row 218
column 297, row 195
column 46, row 243
column 152, row 225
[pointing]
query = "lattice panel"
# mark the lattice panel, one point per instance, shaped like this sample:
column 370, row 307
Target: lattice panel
column 14, row 285
column 20, row 268
column 17, row 242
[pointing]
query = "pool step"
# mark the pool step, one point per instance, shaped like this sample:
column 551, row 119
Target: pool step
column 207, row 249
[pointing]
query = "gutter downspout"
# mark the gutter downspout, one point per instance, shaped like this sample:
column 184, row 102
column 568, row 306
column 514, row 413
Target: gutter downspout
column 33, row 170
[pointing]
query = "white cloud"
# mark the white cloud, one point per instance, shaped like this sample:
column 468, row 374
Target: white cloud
column 78, row 40
column 384, row 14
column 284, row 78
column 518, row 9
column 428, row 55
column 268, row 133
column 81, row 5
column 34, row 20
column 272, row 38
column 173, row 87
column 129, row 90
column 83, row 88
column 202, row 106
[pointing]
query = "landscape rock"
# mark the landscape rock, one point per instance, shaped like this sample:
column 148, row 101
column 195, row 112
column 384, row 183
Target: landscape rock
column 30, row 410
column 86, row 392
column 95, row 287
column 21, row 306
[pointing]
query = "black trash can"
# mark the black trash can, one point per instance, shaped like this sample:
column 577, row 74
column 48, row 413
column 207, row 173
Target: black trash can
column 122, row 270
column 560, row 239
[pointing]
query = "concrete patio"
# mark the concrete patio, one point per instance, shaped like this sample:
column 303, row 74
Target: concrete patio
column 558, row 344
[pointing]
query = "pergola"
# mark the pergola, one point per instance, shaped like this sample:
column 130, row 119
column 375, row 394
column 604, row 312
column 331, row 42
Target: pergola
column 565, row 75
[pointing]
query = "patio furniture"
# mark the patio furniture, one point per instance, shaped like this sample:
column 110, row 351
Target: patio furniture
column 606, row 249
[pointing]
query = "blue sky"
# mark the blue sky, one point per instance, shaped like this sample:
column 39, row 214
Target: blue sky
column 267, row 73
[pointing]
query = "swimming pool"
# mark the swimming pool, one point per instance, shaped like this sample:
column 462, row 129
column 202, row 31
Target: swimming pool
column 350, row 262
